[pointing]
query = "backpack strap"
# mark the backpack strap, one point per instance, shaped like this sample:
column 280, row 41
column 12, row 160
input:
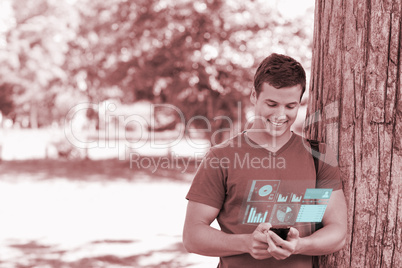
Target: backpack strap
column 315, row 152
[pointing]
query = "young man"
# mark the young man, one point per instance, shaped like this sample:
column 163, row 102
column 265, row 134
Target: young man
column 258, row 167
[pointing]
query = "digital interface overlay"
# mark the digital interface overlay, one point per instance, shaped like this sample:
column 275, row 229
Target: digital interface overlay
column 268, row 202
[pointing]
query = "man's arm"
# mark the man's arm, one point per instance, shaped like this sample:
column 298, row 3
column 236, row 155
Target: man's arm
column 199, row 237
column 332, row 236
column 329, row 239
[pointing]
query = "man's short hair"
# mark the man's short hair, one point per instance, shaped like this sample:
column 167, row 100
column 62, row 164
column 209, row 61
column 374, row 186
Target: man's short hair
column 279, row 71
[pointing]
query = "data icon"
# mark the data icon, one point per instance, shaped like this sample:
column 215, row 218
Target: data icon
column 263, row 191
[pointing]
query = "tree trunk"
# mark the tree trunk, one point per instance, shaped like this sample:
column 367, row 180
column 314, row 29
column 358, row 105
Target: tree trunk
column 356, row 86
column 33, row 115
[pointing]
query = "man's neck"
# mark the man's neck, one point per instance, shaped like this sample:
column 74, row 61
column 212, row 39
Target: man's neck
column 267, row 141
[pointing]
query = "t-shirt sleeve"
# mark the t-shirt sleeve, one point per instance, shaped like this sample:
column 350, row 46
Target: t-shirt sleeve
column 208, row 186
column 328, row 175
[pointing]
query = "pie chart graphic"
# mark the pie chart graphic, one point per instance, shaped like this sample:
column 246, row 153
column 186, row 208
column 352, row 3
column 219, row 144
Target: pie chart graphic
column 284, row 214
column 265, row 190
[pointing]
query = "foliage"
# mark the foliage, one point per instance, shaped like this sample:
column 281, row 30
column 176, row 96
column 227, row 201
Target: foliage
column 35, row 49
column 198, row 55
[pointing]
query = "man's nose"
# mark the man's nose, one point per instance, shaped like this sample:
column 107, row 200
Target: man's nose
column 281, row 117
column 280, row 114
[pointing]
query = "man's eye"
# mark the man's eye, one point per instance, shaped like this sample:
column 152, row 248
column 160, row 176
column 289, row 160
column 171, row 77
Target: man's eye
column 291, row 107
column 271, row 105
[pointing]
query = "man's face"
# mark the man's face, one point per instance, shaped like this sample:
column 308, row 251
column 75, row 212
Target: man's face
column 276, row 109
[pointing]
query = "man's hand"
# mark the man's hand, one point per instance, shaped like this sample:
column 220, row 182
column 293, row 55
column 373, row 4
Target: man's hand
column 281, row 249
column 258, row 246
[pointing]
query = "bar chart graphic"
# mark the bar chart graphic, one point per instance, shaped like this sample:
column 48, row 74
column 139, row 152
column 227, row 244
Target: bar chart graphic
column 296, row 198
column 282, row 198
column 255, row 215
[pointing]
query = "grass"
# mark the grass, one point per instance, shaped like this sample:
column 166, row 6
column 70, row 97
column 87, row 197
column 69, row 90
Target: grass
column 168, row 250
column 89, row 170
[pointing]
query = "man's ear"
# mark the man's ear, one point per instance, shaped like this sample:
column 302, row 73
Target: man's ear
column 253, row 97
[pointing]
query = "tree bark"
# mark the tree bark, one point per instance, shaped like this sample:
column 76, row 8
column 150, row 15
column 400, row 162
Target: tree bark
column 356, row 87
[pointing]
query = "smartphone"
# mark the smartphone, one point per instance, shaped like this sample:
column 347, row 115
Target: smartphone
column 281, row 232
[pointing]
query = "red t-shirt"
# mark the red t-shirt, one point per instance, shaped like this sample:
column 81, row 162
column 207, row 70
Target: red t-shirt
column 244, row 180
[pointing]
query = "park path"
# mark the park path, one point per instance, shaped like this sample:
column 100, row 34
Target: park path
column 65, row 222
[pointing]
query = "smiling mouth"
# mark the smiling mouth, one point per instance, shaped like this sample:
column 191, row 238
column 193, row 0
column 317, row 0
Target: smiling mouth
column 277, row 124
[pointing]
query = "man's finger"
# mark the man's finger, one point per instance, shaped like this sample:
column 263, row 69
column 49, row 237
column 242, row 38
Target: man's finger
column 277, row 240
column 276, row 251
column 261, row 237
column 264, row 227
column 293, row 233
column 270, row 242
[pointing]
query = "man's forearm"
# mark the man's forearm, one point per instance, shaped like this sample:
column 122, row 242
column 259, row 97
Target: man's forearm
column 208, row 241
column 327, row 240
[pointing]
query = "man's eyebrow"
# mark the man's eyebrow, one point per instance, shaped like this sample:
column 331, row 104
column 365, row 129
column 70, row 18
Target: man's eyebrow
column 291, row 103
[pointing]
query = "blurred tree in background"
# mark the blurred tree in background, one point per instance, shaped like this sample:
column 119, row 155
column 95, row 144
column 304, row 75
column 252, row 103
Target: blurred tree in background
column 197, row 55
column 33, row 51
